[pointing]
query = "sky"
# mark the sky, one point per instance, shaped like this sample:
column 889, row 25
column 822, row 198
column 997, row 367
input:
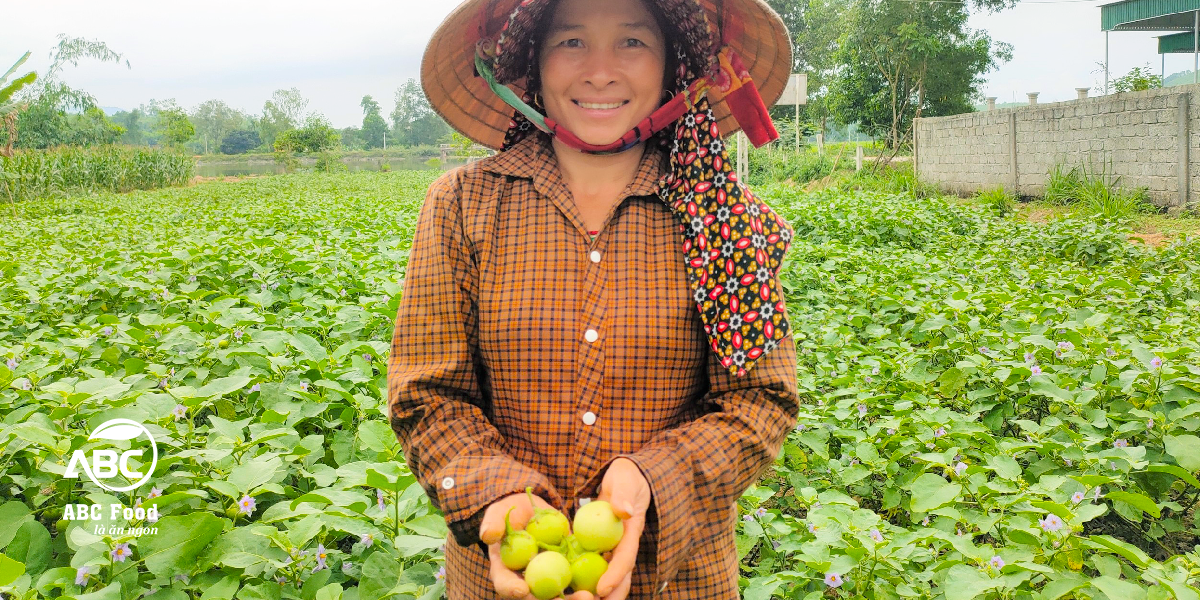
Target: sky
column 335, row 53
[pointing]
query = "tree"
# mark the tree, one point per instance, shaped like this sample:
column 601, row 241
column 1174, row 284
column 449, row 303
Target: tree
column 352, row 138
column 240, row 141
column 1138, row 79
column 374, row 127
column 214, row 120
column 413, row 119
column 175, row 127
column 284, row 111
column 51, row 110
column 815, row 26
column 134, row 122
column 899, row 60
column 317, row 135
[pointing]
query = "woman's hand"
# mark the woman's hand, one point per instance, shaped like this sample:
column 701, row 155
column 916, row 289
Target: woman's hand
column 491, row 531
column 626, row 489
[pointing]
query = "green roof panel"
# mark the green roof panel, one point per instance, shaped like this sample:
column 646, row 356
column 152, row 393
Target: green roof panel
column 1176, row 43
column 1149, row 15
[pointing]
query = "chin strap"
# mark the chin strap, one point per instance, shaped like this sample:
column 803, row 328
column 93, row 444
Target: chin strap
column 731, row 83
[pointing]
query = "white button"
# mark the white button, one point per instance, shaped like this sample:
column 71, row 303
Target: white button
column 595, row 256
column 591, row 335
column 447, row 483
column 589, row 418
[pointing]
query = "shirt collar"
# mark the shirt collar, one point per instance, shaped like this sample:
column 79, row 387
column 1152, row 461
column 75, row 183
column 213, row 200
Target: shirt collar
column 524, row 157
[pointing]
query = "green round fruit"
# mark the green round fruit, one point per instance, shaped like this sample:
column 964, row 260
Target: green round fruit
column 597, row 527
column 548, row 526
column 517, row 550
column 586, row 571
column 223, row 344
column 548, row 574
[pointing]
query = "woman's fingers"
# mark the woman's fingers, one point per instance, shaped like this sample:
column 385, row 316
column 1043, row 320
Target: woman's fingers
column 624, row 556
column 507, row 583
column 582, row 595
column 622, row 590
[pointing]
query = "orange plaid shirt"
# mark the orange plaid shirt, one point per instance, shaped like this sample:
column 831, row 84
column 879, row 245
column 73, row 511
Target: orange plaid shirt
column 526, row 353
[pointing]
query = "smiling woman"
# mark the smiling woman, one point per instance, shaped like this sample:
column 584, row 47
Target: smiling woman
column 553, row 345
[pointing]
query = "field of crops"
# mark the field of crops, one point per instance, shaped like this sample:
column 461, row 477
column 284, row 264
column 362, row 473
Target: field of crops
column 993, row 409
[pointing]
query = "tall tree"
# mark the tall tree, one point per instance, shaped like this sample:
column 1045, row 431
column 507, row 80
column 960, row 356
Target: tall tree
column 214, row 120
column 374, row 127
column 284, row 111
column 174, row 127
column 815, row 26
column 413, row 119
column 901, row 59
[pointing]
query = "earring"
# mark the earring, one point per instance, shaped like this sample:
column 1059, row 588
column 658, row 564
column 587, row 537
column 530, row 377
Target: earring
column 537, row 99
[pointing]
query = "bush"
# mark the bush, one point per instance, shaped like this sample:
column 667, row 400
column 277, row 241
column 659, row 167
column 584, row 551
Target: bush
column 999, row 200
column 1099, row 193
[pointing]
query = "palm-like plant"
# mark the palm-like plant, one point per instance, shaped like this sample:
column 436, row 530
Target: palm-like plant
column 8, row 106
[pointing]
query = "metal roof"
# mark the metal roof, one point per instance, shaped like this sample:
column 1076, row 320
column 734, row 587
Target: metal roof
column 1176, row 43
column 1149, row 15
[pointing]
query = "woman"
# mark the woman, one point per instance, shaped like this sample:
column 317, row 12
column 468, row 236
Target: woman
column 552, row 335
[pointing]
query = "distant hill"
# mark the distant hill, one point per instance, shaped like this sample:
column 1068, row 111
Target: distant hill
column 111, row 110
column 1183, row 78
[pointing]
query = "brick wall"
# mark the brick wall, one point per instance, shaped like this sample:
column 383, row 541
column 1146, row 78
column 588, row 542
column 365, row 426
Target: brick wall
column 1148, row 138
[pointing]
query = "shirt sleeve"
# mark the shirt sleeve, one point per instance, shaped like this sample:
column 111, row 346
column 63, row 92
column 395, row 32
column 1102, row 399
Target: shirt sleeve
column 436, row 404
column 705, row 465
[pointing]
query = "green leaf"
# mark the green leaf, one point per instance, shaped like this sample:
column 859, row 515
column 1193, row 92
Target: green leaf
column 1185, row 449
column 222, row 386
column 1176, row 471
column 1129, row 551
column 12, row 514
column 252, row 474
column 109, row 592
column 762, row 588
column 380, row 573
column 1138, row 501
column 10, row 570
column 1006, row 467
column 1119, row 589
column 930, row 491
column 179, row 540
column 309, row 347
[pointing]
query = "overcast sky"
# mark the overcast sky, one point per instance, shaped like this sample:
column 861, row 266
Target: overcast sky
column 240, row 52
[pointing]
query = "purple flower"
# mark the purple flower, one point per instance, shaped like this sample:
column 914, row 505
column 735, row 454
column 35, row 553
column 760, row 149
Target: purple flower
column 237, row 335
column 1149, row 424
column 367, row 539
column 254, row 388
column 304, row 386
column 1110, row 352
column 775, row 544
column 996, row 563
column 833, row 579
column 939, row 432
column 154, row 493
column 984, row 350
column 1066, row 346
column 876, row 535
column 1034, row 371
column 747, row 517
column 1051, row 523
column 322, row 555
column 960, row 468
column 862, row 410
column 891, row 431
column 379, row 499
column 1155, row 363
column 1030, row 358
column 192, row 279
column 925, row 521
column 81, row 575
column 1121, row 443
column 760, row 512
column 1077, row 497
column 26, row 385
column 246, row 505
column 801, row 427
column 162, row 383
column 120, row 552
column 1096, row 493
column 367, row 357
column 347, row 566
column 441, row 574
column 180, row 411
column 12, row 363
column 812, row 528
column 875, row 371
column 108, row 330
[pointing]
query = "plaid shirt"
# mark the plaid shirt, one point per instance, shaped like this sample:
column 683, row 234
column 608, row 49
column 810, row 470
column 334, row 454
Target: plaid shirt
column 526, row 353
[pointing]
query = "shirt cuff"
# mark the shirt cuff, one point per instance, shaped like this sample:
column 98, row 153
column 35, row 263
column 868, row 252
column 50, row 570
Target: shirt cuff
column 466, row 488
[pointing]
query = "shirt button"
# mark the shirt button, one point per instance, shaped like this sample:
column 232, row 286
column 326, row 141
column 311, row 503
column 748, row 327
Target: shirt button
column 591, row 335
column 447, row 483
column 589, row 418
column 595, row 256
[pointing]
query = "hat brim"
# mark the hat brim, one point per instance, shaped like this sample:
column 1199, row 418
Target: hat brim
column 466, row 103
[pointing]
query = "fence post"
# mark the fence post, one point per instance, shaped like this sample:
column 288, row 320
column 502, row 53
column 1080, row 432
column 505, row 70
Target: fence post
column 1181, row 115
column 1012, row 152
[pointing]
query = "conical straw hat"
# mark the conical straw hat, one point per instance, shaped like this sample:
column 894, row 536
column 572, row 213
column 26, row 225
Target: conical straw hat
column 464, row 100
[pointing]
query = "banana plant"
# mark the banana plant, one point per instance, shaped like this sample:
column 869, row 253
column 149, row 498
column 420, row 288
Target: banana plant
column 8, row 106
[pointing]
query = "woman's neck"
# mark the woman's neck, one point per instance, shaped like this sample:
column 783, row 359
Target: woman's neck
column 592, row 177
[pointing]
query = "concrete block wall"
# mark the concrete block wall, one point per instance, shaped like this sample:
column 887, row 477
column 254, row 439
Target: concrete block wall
column 1149, row 138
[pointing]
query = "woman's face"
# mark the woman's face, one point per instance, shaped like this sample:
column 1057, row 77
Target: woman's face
column 602, row 67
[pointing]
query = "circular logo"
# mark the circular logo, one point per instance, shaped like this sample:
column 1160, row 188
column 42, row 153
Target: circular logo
column 117, row 430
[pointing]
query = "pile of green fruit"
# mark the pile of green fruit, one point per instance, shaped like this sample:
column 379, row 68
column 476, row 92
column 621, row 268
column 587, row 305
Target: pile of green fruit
column 555, row 559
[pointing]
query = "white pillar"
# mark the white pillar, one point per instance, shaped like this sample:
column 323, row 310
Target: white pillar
column 1032, row 97
column 1105, row 63
column 1195, row 44
column 1081, row 93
